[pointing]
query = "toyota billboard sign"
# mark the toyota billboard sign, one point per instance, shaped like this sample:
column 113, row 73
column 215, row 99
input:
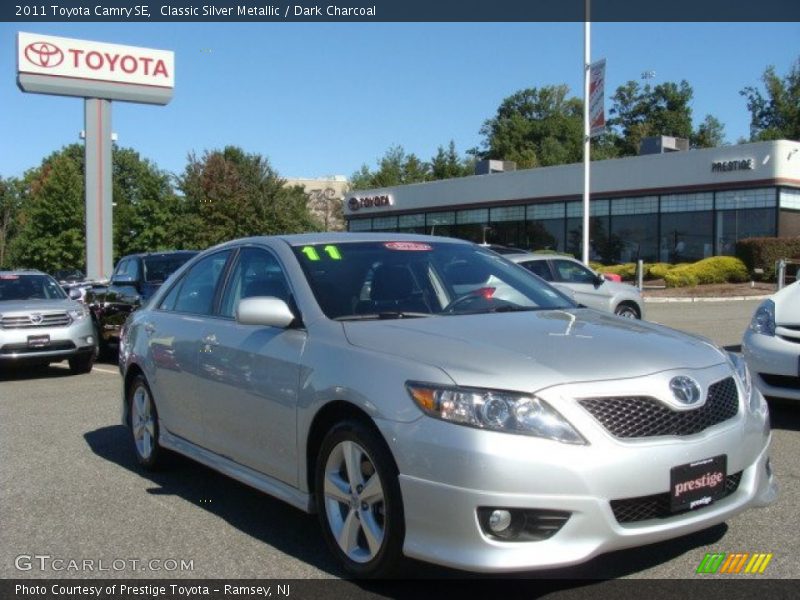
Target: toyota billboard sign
column 65, row 66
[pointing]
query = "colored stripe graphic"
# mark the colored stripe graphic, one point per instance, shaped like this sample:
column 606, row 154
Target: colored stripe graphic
column 733, row 563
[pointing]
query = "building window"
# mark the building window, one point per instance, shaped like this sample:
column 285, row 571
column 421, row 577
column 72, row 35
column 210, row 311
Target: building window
column 790, row 199
column 411, row 223
column 507, row 213
column 440, row 223
column 634, row 206
column 384, row 224
column 686, row 236
column 602, row 247
column 597, row 208
column 360, row 224
column 552, row 210
column 741, row 199
column 634, row 236
column 735, row 225
column 687, row 202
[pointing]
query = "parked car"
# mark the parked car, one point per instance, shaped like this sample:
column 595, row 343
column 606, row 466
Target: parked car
column 587, row 287
column 771, row 344
column 134, row 281
column 457, row 410
column 500, row 249
column 39, row 324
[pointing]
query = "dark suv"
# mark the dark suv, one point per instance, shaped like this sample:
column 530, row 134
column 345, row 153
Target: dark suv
column 135, row 279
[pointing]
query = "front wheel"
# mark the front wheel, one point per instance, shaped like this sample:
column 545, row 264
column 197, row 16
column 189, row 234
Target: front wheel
column 358, row 500
column 144, row 423
column 628, row 311
column 82, row 363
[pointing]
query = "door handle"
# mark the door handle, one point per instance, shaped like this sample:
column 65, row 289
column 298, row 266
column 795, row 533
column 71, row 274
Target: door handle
column 149, row 328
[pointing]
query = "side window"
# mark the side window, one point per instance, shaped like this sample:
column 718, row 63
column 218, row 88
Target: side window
column 133, row 268
column 572, row 272
column 256, row 273
column 122, row 267
column 196, row 293
column 540, row 268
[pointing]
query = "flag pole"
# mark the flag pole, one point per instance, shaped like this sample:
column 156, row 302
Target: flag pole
column 586, row 131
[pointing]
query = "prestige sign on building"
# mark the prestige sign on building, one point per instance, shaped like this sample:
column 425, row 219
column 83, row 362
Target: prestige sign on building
column 98, row 72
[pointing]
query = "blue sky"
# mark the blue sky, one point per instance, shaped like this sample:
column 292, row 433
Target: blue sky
column 323, row 99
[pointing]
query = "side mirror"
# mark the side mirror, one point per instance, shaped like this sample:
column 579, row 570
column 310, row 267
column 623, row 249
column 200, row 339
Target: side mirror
column 128, row 280
column 599, row 280
column 74, row 294
column 264, row 310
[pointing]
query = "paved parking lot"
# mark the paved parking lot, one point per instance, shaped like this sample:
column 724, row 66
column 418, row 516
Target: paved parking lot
column 70, row 488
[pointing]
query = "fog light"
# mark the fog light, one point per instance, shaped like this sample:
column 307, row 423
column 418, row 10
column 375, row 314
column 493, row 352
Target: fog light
column 89, row 339
column 499, row 521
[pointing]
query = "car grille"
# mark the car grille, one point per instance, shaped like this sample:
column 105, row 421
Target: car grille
column 657, row 506
column 642, row 416
column 795, row 339
column 781, row 381
column 26, row 349
column 60, row 319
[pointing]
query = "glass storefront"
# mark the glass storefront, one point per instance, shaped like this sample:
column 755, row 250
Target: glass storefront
column 666, row 228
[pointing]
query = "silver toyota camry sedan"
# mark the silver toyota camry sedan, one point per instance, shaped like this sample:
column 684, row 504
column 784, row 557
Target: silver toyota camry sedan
column 429, row 399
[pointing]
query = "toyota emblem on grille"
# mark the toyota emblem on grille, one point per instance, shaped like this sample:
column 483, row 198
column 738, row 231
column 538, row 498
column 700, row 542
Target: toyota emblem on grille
column 44, row 54
column 685, row 389
column 36, row 318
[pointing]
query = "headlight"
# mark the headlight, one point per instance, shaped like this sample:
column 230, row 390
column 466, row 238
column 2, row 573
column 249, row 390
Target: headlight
column 78, row 313
column 763, row 320
column 743, row 375
column 495, row 410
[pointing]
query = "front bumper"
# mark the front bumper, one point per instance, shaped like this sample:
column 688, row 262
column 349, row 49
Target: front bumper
column 64, row 342
column 776, row 358
column 449, row 471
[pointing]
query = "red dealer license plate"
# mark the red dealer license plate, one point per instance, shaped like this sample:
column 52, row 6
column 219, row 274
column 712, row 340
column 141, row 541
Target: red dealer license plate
column 698, row 484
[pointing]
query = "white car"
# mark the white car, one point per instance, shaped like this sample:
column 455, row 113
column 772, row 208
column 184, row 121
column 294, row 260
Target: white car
column 771, row 344
column 584, row 285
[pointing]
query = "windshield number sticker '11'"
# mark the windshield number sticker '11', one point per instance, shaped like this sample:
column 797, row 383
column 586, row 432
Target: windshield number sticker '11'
column 408, row 246
column 312, row 254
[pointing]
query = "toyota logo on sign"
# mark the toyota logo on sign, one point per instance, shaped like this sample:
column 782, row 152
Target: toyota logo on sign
column 44, row 54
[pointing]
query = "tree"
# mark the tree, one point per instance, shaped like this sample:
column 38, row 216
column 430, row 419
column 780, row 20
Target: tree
column 646, row 111
column 146, row 206
column 51, row 219
column 446, row 164
column 710, row 134
column 394, row 168
column 536, row 127
column 10, row 194
column 229, row 193
column 775, row 114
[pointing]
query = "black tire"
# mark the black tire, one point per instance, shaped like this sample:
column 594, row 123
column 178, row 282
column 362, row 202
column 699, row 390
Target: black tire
column 388, row 513
column 82, row 363
column 155, row 457
column 628, row 310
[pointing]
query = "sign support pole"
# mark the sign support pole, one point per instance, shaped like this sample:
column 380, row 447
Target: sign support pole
column 99, row 233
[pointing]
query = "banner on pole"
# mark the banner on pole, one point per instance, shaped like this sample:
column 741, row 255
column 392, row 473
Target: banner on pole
column 597, row 85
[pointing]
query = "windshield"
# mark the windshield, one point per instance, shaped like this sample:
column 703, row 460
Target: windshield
column 30, row 287
column 158, row 268
column 363, row 280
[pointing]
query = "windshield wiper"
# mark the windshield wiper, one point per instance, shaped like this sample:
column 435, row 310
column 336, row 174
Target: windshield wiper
column 389, row 314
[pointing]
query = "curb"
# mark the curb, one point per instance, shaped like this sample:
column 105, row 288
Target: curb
column 665, row 300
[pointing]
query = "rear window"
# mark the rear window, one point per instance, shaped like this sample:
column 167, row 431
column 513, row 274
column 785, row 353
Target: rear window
column 158, row 268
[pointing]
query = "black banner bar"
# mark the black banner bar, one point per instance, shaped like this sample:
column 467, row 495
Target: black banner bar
column 398, row 10
column 705, row 587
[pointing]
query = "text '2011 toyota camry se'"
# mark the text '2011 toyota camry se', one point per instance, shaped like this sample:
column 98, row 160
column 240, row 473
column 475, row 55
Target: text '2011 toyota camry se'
column 428, row 398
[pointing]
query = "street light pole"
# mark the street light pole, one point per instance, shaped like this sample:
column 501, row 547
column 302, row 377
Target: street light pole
column 586, row 131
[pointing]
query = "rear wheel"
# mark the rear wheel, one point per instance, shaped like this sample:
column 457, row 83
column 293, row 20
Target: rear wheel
column 358, row 500
column 144, row 423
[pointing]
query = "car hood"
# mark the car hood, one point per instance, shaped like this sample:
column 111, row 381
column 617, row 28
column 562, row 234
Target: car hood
column 28, row 306
column 787, row 305
column 531, row 351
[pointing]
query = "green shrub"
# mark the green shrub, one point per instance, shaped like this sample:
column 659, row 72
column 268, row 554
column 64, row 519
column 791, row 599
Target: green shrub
column 658, row 270
column 763, row 253
column 717, row 269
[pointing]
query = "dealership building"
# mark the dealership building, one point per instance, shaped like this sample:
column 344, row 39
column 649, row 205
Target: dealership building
column 669, row 206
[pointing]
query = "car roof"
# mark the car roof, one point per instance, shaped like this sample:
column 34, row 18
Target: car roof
column 22, row 272
column 342, row 237
column 529, row 256
column 164, row 253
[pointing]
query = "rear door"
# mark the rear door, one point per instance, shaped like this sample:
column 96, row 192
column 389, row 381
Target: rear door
column 582, row 282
